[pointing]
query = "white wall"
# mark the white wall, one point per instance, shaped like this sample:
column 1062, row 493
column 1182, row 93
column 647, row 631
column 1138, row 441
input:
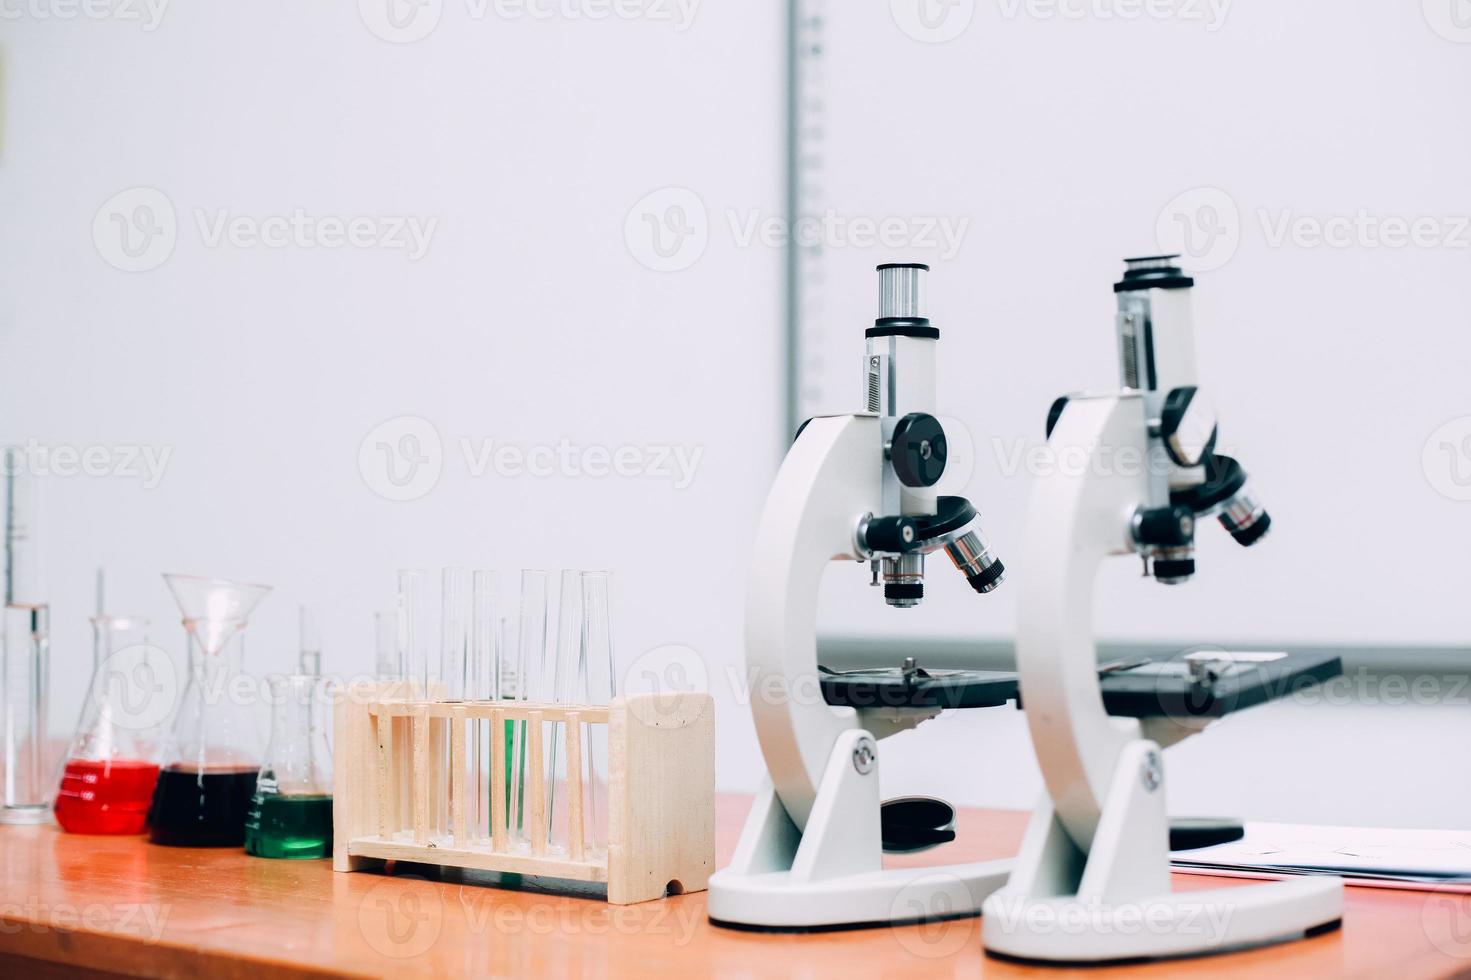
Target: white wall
column 533, row 317
column 1062, row 140
column 530, row 320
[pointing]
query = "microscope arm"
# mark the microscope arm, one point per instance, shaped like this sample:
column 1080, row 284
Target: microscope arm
column 828, row 482
column 1078, row 516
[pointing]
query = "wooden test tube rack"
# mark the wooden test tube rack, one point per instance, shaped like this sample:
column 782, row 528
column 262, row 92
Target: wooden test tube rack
column 661, row 788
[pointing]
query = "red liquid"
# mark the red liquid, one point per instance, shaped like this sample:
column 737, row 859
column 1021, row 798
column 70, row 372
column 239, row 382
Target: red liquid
column 108, row 797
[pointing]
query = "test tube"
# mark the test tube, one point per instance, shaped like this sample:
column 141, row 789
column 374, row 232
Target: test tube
column 485, row 658
column 454, row 650
column 596, row 679
column 413, row 631
column 530, row 663
column 411, row 615
column 25, row 796
column 504, row 688
column 563, row 687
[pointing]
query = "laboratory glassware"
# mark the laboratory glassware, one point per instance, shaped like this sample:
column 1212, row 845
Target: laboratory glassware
column 531, row 649
column 413, row 630
column 28, row 780
column 453, row 650
column 596, row 685
column 309, row 660
column 25, row 652
column 483, row 684
column 385, row 642
column 112, row 765
column 206, row 785
column 412, row 616
column 290, row 813
column 563, row 688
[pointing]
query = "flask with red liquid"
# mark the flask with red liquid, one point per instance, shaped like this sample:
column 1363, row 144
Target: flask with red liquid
column 112, row 765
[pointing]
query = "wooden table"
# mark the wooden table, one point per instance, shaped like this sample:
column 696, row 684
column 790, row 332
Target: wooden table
column 109, row 905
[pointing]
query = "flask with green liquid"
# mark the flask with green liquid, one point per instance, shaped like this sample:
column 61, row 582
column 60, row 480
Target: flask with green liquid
column 290, row 814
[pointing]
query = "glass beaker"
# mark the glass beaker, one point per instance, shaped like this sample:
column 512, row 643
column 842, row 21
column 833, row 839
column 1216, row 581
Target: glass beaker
column 206, row 786
column 291, row 812
column 112, row 765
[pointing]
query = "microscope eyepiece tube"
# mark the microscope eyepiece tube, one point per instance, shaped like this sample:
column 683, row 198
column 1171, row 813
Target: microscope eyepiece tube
column 1154, row 324
column 899, row 354
column 902, row 291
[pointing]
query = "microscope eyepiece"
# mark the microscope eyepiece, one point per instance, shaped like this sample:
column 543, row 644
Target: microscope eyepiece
column 902, row 291
column 1153, row 272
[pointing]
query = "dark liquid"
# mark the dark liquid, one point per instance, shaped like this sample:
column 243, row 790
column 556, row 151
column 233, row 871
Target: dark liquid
column 194, row 808
column 289, row 826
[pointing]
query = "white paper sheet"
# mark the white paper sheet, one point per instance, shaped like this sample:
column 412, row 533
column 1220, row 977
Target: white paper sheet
column 1393, row 858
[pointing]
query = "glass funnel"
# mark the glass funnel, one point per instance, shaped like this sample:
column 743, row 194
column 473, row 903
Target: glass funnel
column 208, row 779
column 112, row 764
column 291, row 813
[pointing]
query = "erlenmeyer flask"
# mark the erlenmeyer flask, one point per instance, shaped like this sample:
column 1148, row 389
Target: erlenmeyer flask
column 208, row 780
column 291, row 813
column 112, row 764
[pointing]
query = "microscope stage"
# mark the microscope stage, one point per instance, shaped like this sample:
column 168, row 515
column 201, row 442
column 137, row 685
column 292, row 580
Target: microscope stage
column 893, row 687
column 1211, row 684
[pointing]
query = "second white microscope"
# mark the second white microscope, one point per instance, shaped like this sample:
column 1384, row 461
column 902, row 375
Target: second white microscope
column 859, row 488
column 1092, row 881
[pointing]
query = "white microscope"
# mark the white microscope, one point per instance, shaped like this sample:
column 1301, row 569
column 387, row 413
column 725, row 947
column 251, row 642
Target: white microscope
column 855, row 488
column 1092, row 882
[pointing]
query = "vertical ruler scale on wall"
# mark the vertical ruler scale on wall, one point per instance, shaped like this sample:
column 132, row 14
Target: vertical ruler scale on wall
column 805, row 326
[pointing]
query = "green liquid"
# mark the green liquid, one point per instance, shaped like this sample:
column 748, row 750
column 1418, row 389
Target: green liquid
column 289, row 826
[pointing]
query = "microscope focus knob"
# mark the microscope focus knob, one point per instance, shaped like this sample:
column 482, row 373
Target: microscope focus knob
column 918, row 450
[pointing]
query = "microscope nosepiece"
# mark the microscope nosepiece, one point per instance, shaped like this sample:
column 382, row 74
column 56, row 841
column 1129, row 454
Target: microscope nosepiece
column 1227, row 494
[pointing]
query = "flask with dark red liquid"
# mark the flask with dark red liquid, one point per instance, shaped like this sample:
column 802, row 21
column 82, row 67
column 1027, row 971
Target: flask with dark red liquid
column 112, row 764
column 206, row 784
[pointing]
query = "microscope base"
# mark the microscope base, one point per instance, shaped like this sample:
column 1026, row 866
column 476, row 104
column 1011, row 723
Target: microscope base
column 832, row 876
column 1114, row 902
